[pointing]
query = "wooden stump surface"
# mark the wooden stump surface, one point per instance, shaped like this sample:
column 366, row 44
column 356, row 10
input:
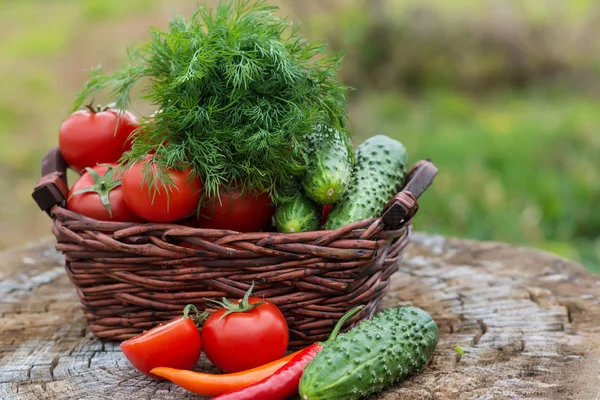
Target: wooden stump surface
column 528, row 322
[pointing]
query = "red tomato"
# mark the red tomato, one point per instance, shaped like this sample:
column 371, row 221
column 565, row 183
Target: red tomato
column 98, row 194
column 235, row 212
column 247, row 336
column 88, row 137
column 175, row 344
column 154, row 203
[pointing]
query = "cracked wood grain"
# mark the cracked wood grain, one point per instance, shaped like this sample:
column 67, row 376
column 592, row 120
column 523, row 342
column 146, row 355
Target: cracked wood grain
column 528, row 322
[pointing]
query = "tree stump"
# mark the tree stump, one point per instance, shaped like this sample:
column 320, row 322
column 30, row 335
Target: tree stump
column 528, row 322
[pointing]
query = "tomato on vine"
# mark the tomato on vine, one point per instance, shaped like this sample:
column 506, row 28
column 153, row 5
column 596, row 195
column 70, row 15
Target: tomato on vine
column 95, row 135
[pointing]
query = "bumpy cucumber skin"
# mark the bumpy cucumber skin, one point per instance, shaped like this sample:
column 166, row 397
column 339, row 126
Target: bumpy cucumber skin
column 378, row 175
column 299, row 214
column 329, row 171
column 371, row 357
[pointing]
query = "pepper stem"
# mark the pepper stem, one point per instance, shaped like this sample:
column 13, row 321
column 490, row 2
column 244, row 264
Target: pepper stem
column 343, row 320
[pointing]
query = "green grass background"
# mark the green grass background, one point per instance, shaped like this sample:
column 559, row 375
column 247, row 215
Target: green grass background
column 501, row 95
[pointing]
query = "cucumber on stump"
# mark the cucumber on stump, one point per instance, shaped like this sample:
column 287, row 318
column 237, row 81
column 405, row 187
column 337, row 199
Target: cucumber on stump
column 372, row 356
column 378, row 175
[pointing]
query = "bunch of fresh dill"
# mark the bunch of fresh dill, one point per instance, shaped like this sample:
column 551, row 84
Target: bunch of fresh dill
column 239, row 91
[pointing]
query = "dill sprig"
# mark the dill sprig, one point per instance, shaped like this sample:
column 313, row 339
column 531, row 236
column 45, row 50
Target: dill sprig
column 239, row 91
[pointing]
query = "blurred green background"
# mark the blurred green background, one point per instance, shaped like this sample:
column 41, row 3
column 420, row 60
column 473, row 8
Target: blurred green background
column 502, row 95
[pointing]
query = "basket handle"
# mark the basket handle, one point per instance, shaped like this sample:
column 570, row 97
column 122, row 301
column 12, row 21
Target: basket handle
column 403, row 206
column 52, row 188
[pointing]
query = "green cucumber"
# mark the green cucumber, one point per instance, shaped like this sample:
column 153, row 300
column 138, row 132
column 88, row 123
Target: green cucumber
column 377, row 176
column 299, row 214
column 372, row 356
column 329, row 170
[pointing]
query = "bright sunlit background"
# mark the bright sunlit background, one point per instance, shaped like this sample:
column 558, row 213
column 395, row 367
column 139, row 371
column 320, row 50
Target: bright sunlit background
column 502, row 95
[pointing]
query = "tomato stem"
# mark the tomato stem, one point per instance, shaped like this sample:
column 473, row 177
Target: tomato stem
column 242, row 306
column 199, row 318
column 102, row 186
column 98, row 108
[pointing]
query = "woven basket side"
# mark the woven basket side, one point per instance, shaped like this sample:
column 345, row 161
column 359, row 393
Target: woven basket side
column 127, row 287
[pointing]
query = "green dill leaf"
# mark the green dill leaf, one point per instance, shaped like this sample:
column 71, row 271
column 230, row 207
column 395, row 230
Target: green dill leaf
column 239, row 93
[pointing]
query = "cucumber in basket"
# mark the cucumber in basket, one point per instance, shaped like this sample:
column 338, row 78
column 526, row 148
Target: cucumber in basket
column 328, row 173
column 372, row 356
column 299, row 214
column 378, row 175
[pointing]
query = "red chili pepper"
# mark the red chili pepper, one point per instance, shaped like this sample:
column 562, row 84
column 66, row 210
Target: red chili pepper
column 284, row 382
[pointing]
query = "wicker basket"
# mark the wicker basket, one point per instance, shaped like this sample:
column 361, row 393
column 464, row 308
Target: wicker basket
column 130, row 277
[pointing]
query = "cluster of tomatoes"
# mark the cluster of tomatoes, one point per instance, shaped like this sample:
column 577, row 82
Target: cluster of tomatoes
column 238, row 336
column 94, row 139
